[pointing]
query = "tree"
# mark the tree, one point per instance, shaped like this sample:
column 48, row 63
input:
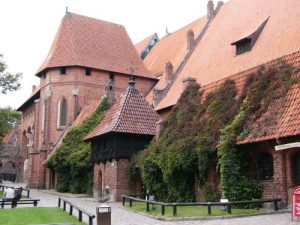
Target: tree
column 9, row 118
column 8, row 81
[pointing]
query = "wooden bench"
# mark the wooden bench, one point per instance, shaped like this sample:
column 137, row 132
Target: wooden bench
column 13, row 203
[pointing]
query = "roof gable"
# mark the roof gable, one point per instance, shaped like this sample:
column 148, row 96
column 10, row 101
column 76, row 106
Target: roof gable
column 93, row 43
column 214, row 57
column 130, row 114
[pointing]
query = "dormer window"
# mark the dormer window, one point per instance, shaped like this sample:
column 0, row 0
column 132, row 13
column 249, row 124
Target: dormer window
column 246, row 44
column 62, row 70
column 243, row 46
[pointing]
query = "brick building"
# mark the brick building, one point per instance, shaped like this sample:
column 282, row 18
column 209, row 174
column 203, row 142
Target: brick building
column 126, row 129
column 88, row 59
column 231, row 41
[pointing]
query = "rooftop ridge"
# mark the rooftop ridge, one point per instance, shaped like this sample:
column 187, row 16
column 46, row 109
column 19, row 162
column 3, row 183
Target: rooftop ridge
column 164, row 91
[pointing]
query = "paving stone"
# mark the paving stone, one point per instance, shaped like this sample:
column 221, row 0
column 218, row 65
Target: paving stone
column 121, row 216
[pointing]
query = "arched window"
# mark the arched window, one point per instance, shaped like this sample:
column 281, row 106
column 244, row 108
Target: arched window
column 62, row 113
column 264, row 167
column 43, row 116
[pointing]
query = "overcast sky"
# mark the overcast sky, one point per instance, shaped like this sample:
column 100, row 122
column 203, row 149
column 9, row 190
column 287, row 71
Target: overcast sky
column 28, row 28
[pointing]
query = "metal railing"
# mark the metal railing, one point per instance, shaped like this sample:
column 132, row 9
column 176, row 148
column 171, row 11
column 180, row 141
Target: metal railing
column 64, row 203
column 207, row 204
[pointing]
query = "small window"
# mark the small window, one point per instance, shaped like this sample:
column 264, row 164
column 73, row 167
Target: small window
column 88, row 71
column 43, row 116
column 62, row 113
column 62, row 70
column 112, row 76
column 264, row 167
column 243, row 46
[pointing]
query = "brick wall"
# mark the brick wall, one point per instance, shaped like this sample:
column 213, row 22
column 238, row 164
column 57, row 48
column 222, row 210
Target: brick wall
column 114, row 176
column 55, row 86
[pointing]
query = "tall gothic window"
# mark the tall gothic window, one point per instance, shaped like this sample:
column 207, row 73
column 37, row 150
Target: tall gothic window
column 264, row 167
column 62, row 113
column 43, row 116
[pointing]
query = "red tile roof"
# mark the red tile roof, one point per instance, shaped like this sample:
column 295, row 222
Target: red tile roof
column 93, row 43
column 285, row 112
column 214, row 57
column 34, row 95
column 9, row 138
column 130, row 114
column 85, row 113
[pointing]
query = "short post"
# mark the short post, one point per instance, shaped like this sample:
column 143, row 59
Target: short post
column 59, row 202
column 123, row 200
column 130, row 202
column 147, row 206
column 80, row 216
column 162, row 210
column 174, row 210
column 90, row 220
column 28, row 191
column 65, row 205
column 209, row 208
column 71, row 210
column 229, row 208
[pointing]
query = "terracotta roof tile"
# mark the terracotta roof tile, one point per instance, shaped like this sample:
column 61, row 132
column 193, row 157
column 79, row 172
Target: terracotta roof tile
column 9, row 138
column 130, row 114
column 34, row 95
column 214, row 57
column 284, row 113
column 85, row 113
column 93, row 43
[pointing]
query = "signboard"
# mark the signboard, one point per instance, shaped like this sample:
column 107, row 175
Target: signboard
column 296, row 202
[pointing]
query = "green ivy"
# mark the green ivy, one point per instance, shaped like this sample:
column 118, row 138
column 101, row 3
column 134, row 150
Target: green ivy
column 72, row 160
column 262, row 89
column 200, row 128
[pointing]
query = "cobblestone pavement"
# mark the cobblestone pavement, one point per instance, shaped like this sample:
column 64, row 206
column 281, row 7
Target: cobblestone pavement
column 122, row 216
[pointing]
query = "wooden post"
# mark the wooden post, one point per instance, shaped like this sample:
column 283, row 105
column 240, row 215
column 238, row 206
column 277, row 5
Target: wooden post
column 64, row 206
column 130, row 202
column 71, row 210
column 174, row 210
column 229, row 208
column 90, row 220
column 123, row 201
column 147, row 206
column 162, row 210
column 28, row 191
column 209, row 208
column 80, row 216
column 59, row 202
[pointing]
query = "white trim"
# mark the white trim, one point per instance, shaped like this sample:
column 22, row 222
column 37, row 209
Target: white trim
column 287, row 146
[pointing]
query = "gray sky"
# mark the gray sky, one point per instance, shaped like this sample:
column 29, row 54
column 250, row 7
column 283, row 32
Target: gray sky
column 28, row 28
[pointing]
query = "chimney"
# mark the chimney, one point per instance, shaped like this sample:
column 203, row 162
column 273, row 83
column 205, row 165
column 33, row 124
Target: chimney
column 188, row 81
column 169, row 72
column 33, row 88
column 190, row 40
column 210, row 9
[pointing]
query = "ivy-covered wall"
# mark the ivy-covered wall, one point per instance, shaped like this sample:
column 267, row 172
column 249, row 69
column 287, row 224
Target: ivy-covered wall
column 72, row 160
column 200, row 128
